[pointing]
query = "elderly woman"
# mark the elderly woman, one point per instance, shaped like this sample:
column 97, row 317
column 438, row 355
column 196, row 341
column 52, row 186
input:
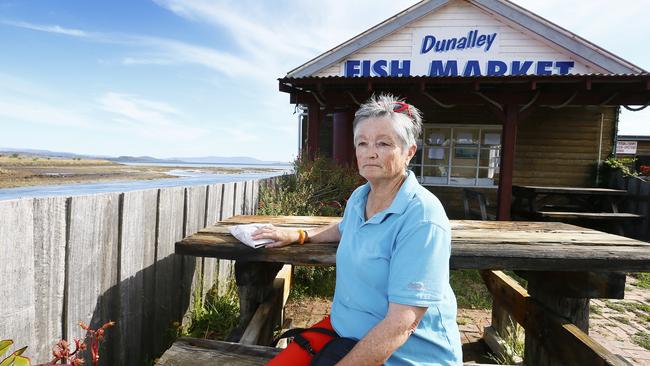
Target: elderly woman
column 392, row 264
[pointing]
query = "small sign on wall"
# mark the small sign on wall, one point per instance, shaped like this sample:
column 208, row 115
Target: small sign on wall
column 626, row 147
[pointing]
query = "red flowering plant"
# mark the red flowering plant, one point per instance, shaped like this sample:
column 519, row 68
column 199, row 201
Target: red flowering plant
column 64, row 355
column 645, row 170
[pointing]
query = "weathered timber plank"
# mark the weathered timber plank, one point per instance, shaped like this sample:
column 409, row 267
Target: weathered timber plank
column 170, row 300
column 17, row 317
column 195, row 201
column 249, row 197
column 228, row 201
column 205, row 352
column 475, row 244
column 136, row 277
column 238, row 205
column 256, row 196
column 91, row 268
column 568, row 344
column 49, row 276
column 592, row 285
column 569, row 190
column 609, row 216
column 201, row 352
column 213, row 215
column 213, row 208
column 226, row 267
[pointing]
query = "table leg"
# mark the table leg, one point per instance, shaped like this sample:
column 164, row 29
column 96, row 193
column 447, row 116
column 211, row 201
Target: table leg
column 575, row 310
column 254, row 285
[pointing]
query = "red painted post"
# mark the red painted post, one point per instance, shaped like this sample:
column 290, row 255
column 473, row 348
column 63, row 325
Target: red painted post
column 342, row 135
column 509, row 140
column 313, row 135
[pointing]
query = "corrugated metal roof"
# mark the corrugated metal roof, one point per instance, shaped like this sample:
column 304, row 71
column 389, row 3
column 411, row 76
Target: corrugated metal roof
column 609, row 77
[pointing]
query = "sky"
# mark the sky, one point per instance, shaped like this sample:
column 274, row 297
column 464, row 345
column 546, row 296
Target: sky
column 185, row 78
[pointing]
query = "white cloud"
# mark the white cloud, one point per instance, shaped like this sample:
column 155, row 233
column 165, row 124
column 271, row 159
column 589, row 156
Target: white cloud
column 147, row 118
column 47, row 28
column 42, row 113
column 146, row 61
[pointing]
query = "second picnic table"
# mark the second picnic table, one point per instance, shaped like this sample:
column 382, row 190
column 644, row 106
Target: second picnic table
column 587, row 206
column 564, row 265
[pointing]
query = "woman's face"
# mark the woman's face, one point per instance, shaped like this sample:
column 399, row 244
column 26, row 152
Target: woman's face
column 380, row 155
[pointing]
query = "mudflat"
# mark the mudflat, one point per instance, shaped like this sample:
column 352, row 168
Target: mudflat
column 28, row 170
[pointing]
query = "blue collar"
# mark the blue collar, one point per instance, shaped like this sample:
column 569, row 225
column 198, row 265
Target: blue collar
column 398, row 206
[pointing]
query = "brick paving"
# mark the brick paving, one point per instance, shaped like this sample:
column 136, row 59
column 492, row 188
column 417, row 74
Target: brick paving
column 617, row 323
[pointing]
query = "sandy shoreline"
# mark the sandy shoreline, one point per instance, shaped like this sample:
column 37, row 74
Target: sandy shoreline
column 22, row 171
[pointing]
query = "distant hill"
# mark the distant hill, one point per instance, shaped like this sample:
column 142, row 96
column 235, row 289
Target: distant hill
column 237, row 160
column 226, row 160
column 52, row 154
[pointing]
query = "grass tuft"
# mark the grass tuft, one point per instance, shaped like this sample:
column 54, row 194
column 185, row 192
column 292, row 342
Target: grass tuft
column 216, row 317
column 642, row 339
column 470, row 290
column 642, row 279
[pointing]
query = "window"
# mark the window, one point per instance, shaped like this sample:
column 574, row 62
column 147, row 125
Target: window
column 458, row 155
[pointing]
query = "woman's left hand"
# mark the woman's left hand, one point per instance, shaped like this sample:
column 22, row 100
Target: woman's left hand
column 281, row 237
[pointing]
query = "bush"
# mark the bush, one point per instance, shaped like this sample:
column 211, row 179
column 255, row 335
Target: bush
column 217, row 316
column 318, row 187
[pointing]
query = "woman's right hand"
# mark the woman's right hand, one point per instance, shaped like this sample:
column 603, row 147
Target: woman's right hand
column 281, row 237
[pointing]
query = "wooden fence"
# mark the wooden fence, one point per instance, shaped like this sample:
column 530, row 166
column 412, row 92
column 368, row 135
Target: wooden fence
column 96, row 258
column 637, row 201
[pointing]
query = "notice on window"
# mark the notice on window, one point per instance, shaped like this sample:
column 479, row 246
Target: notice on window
column 626, row 147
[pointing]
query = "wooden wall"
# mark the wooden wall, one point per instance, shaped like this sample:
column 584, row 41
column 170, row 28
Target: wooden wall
column 110, row 257
column 643, row 148
column 560, row 147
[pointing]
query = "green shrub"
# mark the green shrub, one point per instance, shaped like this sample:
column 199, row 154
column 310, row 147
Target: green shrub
column 313, row 282
column 318, row 187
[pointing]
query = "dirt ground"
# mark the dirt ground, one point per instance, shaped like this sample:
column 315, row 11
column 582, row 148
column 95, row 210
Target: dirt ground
column 22, row 170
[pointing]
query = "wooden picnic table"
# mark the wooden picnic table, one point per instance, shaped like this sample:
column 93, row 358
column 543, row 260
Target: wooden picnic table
column 589, row 199
column 565, row 265
column 587, row 206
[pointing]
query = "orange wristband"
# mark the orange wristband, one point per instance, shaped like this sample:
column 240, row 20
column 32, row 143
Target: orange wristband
column 301, row 236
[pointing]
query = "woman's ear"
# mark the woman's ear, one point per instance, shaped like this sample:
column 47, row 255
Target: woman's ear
column 411, row 152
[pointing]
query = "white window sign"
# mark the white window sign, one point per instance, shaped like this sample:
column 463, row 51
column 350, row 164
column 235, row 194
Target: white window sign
column 626, row 147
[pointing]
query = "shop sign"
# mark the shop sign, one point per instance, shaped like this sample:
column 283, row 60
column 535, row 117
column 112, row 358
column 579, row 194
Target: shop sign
column 626, row 147
column 458, row 52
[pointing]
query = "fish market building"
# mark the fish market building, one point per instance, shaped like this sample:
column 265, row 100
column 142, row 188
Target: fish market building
column 507, row 97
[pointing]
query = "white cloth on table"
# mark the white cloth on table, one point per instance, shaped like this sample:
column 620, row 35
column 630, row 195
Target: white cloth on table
column 244, row 234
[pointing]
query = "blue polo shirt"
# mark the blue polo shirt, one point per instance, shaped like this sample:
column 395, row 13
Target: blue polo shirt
column 400, row 255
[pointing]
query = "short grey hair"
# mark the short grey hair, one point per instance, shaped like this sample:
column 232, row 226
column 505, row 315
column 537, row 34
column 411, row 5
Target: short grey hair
column 407, row 124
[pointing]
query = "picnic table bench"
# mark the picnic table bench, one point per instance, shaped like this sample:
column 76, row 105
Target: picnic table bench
column 585, row 205
column 564, row 265
column 202, row 352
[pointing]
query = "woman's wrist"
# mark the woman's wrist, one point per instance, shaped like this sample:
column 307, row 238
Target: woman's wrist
column 303, row 237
